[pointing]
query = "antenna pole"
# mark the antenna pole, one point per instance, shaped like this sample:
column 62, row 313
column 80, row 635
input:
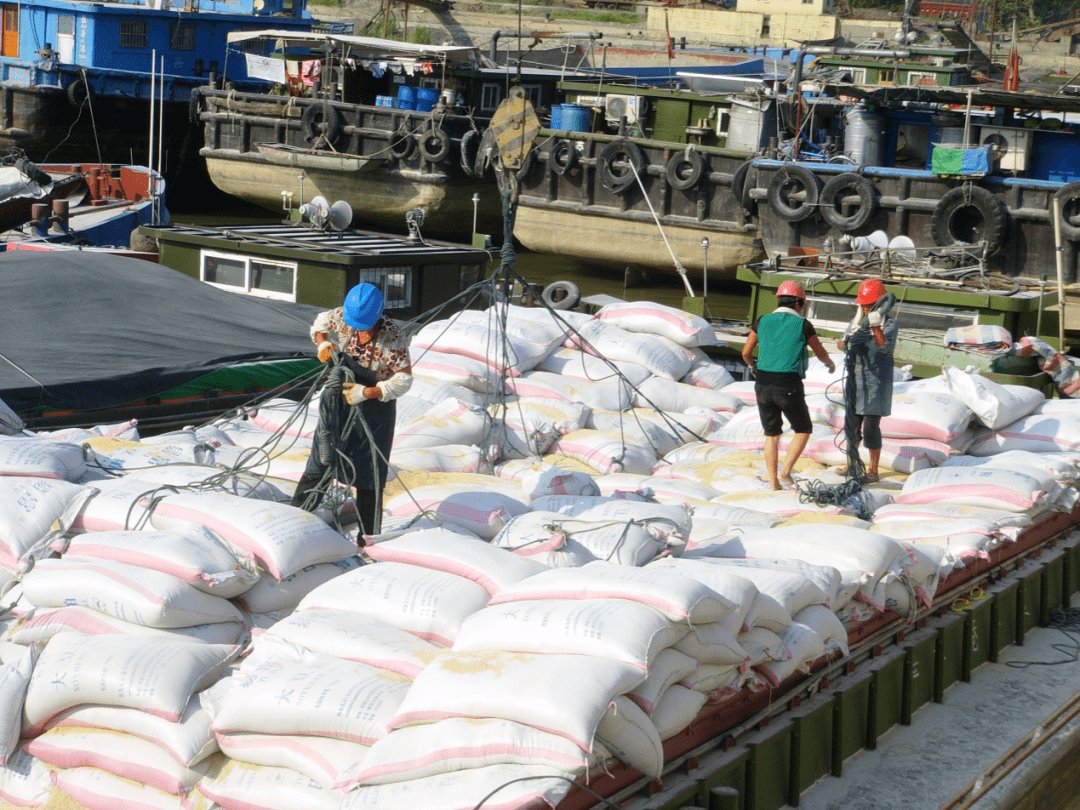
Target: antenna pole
column 161, row 148
column 150, row 160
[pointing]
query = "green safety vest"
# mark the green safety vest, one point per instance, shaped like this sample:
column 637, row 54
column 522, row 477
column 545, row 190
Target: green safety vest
column 782, row 344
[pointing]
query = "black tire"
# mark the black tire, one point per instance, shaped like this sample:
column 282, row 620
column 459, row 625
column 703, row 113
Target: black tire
column 685, row 168
column 619, row 178
column 402, row 145
column 470, row 151
column 79, row 92
column 787, row 180
column 562, row 156
column 434, row 145
column 739, row 187
column 320, row 122
column 486, row 154
column 42, row 178
column 833, row 194
column 561, row 295
column 992, row 281
column 195, row 106
column 1068, row 197
column 970, row 214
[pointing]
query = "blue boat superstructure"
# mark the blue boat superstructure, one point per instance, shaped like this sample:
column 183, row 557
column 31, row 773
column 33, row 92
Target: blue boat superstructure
column 76, row 77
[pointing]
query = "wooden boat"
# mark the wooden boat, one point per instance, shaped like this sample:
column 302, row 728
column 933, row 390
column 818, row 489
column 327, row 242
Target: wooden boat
column 941, row 165
column 362, row 139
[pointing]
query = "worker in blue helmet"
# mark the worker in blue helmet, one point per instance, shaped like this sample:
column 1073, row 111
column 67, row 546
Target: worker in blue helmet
column 373, row 357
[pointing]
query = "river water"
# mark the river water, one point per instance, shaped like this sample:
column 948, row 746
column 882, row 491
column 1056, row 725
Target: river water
column 729, row 301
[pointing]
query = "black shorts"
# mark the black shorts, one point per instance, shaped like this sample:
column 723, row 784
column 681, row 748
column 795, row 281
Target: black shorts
column 782, row 396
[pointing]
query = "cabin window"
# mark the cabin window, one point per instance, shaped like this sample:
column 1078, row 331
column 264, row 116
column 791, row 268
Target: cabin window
column 258, row 277
column 132, row 34
column 490, row 95
column 887, row 76
column 534, row 93
column 65, row 25
column 765, row 22
column 395, row 283
column 917, row 78
column 182, row 37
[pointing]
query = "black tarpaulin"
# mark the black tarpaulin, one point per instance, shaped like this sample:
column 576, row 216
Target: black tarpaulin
column 85, row 331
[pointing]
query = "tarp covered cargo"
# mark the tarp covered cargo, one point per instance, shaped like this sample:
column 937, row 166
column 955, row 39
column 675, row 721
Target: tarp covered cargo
column 86, row 332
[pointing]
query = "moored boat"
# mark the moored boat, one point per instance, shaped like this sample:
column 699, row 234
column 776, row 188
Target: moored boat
column 939, row 165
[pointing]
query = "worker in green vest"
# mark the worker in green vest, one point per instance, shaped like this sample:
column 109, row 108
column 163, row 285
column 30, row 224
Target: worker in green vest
column 782, row 338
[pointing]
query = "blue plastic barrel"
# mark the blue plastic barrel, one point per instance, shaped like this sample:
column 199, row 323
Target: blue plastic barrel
column 575, row 118
column 426, row 99
column 406, row 97
column 556, row 116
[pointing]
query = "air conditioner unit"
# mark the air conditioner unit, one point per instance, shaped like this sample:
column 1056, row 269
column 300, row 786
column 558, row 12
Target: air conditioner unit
column 618, row 106
column 1011, row 146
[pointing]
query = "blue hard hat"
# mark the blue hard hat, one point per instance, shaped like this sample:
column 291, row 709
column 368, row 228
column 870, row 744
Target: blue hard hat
column 363, row 306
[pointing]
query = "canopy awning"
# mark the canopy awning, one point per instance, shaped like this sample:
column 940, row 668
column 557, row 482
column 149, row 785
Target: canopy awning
column 371, row 46
column 978, row 95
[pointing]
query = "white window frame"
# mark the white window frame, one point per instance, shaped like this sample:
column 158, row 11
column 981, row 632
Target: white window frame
column 247, row 288
column 488, row 89
column 380, row 276
column 914, row 76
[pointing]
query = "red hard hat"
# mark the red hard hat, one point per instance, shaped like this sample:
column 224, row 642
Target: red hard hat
column 870, row 291
column 792, row 288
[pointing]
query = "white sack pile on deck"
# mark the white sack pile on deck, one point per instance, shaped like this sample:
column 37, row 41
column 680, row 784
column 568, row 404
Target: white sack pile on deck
column 579, row 555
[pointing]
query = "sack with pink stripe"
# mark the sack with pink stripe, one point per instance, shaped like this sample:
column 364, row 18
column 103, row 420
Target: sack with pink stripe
column 923, row 415
column 130, row 592
column 449, row 422
column 1011, row 490
column 657, row 319
column 474, row 374
column 458, row 744
column 483, row 512
column 483, row 341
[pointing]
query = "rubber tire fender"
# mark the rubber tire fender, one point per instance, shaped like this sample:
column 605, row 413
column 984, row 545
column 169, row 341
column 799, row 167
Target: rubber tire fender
column 803, row 177
column 78, row 93
column 569, row 301
column 401, row 143
column 739, row 189
column 526, row 165
column 320, row 120
column 562, row 156
column 626, row 150
column 39, row 176
column 434, row 145
column 685, row 168
column 469, row 149
column 1068, row 197
column 995, row 216
column 195, row 105
column 843, row 184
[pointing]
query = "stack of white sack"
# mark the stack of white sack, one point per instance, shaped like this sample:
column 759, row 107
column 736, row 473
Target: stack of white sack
column 118, row 717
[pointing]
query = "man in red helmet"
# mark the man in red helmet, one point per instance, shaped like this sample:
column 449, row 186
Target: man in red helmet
column 781, row 338
column 869, row 350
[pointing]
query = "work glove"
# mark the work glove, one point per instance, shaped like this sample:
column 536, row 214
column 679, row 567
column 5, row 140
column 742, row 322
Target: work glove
column 832, row 367
column 326, row 351
column 875, row 318
column 355, row 394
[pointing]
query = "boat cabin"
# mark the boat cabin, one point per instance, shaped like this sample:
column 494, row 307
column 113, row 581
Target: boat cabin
column 291, row 262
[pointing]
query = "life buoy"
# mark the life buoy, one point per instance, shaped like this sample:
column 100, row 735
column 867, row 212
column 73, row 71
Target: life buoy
column 561, row 295
column 740, row 189
column 619, row 178
column 434, row 145
column 470, row 151
column 1068, row 197
column 30, row 170
column 79, row 92
column 836, row 190
column 401, row 143
column 685, row 168
column 790, row 179
column 320, row 121
column 562, row 157
column 970, row 214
